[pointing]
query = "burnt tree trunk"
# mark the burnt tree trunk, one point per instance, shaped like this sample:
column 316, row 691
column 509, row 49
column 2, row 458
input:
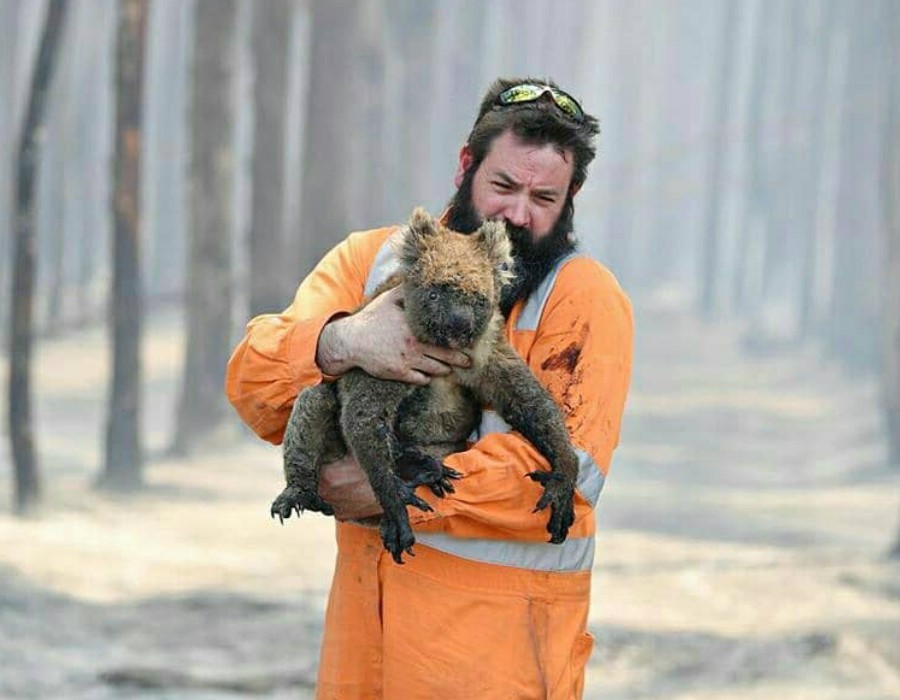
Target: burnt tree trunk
column 27, row 482
column 124, row 464
column 326, row 215
column 710, row 263
column 209, row 288
column 271, row 33
column 890, row 186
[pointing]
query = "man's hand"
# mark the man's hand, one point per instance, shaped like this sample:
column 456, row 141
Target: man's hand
column 344, row 485
column 378, row 340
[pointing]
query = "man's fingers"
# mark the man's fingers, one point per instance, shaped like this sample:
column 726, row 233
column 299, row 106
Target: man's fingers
column 416, row 377
column 447, row 356
column 432, row 367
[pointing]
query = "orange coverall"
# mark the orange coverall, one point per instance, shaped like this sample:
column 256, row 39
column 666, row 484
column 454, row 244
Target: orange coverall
column 487, row 608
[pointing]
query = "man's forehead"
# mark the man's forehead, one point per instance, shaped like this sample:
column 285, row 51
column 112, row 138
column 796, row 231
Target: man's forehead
column 547, row 165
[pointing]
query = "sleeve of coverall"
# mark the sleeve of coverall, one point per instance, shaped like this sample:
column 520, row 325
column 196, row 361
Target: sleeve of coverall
column 277, row 356
column 582, row 354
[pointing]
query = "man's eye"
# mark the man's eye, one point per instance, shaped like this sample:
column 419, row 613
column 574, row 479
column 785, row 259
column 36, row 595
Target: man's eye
column 505, row 186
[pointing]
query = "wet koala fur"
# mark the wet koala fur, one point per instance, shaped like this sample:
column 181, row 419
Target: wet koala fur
column 400, row 433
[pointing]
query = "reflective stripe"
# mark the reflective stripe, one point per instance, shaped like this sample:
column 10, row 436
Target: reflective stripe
column 534, row 305
column 590, row 477
column 571, row 555
column 384, row 265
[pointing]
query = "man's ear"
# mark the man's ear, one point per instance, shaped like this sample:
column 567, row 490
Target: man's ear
column 465, row 162
column 573, row 190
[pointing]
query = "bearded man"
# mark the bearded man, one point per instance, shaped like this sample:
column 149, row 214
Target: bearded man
column 487, row 608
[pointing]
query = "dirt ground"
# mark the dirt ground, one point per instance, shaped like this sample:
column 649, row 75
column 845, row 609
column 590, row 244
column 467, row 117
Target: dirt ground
column 740, row 555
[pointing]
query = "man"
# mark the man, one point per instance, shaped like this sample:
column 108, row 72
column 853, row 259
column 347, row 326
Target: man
column 487, row 608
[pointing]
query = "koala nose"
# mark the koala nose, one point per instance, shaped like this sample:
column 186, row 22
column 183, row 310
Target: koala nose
column 460, row 323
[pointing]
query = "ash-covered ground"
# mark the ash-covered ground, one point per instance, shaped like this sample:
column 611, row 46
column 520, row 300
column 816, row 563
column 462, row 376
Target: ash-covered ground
column 741, row 553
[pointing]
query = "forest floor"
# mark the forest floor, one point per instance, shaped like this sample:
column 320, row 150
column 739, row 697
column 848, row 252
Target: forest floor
column 741, row 553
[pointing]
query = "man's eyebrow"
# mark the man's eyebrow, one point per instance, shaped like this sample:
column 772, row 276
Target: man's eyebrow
column 508, row 179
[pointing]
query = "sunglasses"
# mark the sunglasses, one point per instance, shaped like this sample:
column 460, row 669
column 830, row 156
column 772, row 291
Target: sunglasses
column 528, row 92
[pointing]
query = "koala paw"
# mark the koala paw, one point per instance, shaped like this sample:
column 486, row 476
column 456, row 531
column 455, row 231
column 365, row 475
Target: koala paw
column 559, row 494
column 296, row 499
column 397, row 535
column 408, row 497
column 416, row 467
column 444, row 484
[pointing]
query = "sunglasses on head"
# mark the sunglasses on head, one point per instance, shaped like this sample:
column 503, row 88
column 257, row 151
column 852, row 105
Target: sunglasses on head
column 528, row 92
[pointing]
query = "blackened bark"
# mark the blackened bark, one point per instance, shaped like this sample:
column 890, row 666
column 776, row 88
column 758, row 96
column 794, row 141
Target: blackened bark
column 710, row 264
column 272, row 21
column 27, row 482
column 202, row 408
column 124, row 464
column 890, row 185
column 326, row 213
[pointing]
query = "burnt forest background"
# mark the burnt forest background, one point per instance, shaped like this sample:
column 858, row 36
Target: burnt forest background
column 192, row 159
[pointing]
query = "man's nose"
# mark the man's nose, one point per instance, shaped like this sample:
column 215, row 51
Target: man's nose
column 517, row 212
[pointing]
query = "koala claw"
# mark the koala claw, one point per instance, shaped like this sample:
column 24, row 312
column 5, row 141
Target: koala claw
column 559, row 495
column 296, row 499
column 397, row 536
column 408, row 496
column 444, row 485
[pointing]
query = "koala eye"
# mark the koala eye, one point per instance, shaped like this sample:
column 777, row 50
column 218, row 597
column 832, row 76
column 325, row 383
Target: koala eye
column 503, row 267
column 432, row 295
column 481, row 302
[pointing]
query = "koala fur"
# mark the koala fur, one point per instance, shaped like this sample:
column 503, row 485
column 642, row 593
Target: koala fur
column 400, row 433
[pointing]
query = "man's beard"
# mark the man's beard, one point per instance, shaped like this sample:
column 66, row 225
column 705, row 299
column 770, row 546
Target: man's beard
column 533, row 260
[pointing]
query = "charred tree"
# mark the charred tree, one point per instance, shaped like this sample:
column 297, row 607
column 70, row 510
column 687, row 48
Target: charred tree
column 326, row 214
column 27, row 482
column 9, row 15
column 854, row 324
column 890, row 186
column 710, row 255
column 272, row 22
column 816, row 125
column 754, row 197
column 124, row 464
column 209, row 289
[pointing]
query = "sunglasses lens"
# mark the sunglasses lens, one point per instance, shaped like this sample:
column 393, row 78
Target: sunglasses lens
column 520, row 93
column 567, row 104
column 529, row 93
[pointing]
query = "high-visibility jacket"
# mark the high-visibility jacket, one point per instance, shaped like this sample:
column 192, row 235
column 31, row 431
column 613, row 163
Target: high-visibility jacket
column 487, row 608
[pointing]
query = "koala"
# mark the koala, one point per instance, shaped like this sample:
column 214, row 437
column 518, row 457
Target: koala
column 400, row 433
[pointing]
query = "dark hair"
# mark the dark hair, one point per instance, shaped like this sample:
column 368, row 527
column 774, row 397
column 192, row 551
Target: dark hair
column 539, row 122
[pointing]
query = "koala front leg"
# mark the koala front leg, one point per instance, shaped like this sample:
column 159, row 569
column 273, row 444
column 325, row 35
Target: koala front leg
column 508, row 384
column 368, row 426
column 312, row 433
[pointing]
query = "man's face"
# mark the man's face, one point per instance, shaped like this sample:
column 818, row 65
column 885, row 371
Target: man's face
column 527, row 187
column 520, row 183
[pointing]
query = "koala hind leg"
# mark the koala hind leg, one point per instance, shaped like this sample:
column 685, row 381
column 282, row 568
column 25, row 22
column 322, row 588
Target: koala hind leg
column 369, row 430
column 312, row 437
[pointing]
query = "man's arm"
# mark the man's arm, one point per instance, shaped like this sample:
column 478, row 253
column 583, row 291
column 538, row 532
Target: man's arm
column 317, row 338
column 278, row 355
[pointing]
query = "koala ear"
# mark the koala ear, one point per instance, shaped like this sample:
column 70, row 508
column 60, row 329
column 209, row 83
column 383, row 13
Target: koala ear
column 494, row 241
column 421, row 227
